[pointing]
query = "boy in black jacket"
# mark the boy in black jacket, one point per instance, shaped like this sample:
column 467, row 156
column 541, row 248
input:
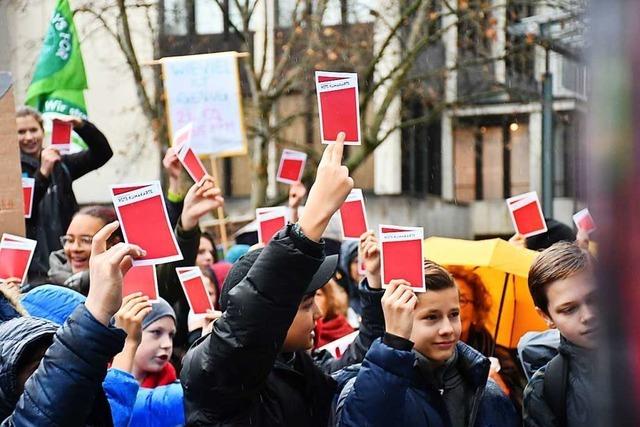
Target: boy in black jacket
column 254, row 369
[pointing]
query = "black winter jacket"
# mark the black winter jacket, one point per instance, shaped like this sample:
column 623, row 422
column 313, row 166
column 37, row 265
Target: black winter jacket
column 66, row 388
column 236, row 376
column 54, row 202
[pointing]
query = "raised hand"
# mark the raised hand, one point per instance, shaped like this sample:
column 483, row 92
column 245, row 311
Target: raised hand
column 369, row 253
column 329, row 191
column 134, row 309
column 172, row 164
column 106, row 270
column 200, row 200
column 48, row 159
column 398, row 303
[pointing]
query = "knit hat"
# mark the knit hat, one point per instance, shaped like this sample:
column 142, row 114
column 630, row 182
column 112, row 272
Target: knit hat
column 236, row 252
column 556, row 232
column 159, row 309
column 241, row 268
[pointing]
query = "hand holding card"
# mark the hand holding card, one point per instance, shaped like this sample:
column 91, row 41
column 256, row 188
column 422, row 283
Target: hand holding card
column 401, row 255
column 526, row 214
column 16, row 254
column 188, row 158
column 61, row 135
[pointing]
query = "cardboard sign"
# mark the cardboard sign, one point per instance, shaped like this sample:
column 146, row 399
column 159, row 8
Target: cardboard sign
column 353, row 215
column 339, row 346
column 526, row 214
column 11, row 205
column 28, row 185
column 270, row 221
column 189, row 159
column 144, row 221
column 61, row 135
column 338, row 106
column 194, row 288
column 141, row 278
column 401, row 255
column 15, row 256
column 584, row 221
column 291, row 166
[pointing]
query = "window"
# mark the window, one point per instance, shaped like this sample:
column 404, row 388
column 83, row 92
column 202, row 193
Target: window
column 337, row 12
column 520, row 59
column 491, row 159
column 209, row 17
column 176, row 17
column 421, row 153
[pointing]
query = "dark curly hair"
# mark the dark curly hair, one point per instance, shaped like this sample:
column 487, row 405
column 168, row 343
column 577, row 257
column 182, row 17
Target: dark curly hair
column 481, row 297
column 105, row 214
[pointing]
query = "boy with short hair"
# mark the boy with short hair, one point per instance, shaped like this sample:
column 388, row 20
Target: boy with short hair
column 420, row 373
column 563, row 289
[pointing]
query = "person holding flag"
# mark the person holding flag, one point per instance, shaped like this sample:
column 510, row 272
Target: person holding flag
column 57, row 87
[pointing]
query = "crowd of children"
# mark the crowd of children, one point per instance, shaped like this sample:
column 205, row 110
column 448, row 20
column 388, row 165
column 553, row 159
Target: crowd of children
column 74, row 352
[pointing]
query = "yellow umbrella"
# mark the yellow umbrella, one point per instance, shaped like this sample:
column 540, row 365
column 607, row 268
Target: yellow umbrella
column 503, row 269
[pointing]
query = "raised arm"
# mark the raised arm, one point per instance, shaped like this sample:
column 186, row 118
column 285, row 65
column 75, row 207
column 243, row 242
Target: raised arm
column 96, row 156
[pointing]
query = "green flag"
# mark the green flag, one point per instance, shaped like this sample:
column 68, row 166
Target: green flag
column 59, row 79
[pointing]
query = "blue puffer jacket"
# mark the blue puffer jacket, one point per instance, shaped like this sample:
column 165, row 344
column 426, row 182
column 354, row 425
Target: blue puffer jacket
column 66, row 388
column 132, row 405
column 390, row 391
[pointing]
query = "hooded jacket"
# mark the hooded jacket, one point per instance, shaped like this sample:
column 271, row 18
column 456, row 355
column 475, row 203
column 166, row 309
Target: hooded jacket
column 66, row 388
column 391, row 389
column 237, row 376
column 580, row 391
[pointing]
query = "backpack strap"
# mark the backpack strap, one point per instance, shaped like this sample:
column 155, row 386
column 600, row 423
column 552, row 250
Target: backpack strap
column 556, row 378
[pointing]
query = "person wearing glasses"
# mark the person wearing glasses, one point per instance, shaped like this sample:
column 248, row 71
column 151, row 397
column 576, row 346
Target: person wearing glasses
column 475, row 305
column 69, row 266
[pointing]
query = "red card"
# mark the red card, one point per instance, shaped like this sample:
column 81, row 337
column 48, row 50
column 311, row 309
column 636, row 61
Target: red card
column 291, row 166
column 144, row 221
column 182, row 137
column 401, row 255
column 194, row 288
column 15, row 256
column 270, row 221
column 584, row 221
column 339, row 346
column 338, row 106
column 61, row 135
column 192, row 163
column 526, row 214
column 27, row 196
column 141, row 278
column 353, row 215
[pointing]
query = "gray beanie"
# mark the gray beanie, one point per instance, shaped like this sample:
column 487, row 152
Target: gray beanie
column 159, row 309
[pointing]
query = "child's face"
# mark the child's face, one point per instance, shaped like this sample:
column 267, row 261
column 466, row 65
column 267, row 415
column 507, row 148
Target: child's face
column 155, row 347
column 300, row 334
column 572, row 309
column 436, row 324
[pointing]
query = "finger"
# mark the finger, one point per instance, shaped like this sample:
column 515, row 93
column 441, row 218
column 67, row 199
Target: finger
column 140, row 306
column 99, row 242
column 126, row 299
column 140, row 315
column 212, row 193
column 125, row 265
column 326, row 156
column 338, row 148
column 406, row 296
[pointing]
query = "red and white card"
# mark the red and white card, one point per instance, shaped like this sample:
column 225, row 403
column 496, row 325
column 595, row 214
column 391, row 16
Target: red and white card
column 270, row 221
column 401, row 255
column 28, row 185
column 144, row 221
column 338, row 106
column 526, row 214
column 353, row 215
column 338, row 347
column 584, row 221
column 186, row 155
column 291, row 166
column 16, row 254
column 182, row 136
column 61, row 135
column 141, row 278
column 193, row 286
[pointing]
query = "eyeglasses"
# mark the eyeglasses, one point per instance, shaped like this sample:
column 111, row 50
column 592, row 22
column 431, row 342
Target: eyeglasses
column 82, row 240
